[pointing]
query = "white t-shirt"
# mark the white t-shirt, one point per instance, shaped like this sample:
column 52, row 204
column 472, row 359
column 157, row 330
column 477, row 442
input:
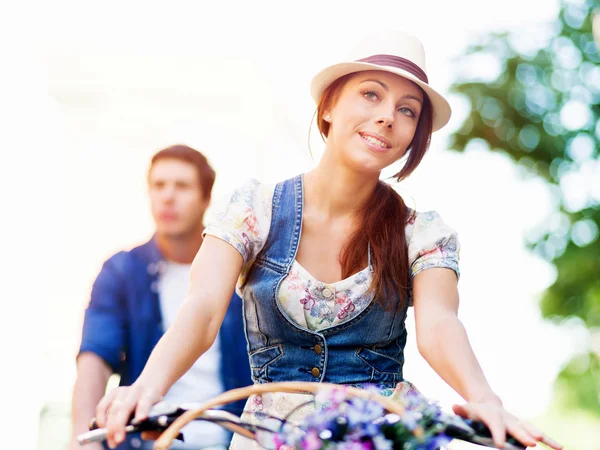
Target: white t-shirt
column 203, row 380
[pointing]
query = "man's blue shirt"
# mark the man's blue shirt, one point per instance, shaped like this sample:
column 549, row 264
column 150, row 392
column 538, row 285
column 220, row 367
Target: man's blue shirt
column 123, row 320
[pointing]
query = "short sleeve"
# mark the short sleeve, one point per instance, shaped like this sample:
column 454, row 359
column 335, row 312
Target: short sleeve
column 431, row 243
column 244, row 221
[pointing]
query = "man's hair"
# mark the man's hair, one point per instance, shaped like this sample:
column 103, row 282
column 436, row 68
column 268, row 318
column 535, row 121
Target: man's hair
column 206, row 174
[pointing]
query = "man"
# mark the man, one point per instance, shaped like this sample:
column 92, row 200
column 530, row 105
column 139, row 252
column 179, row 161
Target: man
column 136, row 297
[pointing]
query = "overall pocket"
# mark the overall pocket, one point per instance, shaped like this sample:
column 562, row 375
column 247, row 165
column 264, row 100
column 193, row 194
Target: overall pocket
column 262, row 358
column 379, row 362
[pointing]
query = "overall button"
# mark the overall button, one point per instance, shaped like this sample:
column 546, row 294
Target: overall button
column 315, row 372
column 318, row 349
column 327, row 293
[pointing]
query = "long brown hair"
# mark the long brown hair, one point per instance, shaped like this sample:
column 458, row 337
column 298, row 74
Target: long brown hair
column 383, row 218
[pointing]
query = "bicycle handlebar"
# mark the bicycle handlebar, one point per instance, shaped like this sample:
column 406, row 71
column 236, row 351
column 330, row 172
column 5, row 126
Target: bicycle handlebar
column 163, row 415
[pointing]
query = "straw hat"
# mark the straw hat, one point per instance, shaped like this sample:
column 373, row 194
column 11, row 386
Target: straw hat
column 396, row 52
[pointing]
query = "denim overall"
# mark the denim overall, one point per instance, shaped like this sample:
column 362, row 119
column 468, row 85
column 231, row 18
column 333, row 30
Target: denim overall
column 367, row 349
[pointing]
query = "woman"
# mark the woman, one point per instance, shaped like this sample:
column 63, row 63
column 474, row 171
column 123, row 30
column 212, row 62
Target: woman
column 329, row 262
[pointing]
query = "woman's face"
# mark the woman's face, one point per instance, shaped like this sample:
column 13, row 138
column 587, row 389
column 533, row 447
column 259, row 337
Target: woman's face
column 374, row 119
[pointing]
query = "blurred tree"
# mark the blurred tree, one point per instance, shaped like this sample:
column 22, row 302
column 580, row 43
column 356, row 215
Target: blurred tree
column 539, row 102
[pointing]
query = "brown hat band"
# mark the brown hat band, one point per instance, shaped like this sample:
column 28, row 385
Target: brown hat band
column 397, row 62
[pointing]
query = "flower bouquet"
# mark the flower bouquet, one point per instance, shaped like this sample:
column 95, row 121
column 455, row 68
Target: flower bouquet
column 344, row 422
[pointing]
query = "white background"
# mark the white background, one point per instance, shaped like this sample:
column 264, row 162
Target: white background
column 90, row 90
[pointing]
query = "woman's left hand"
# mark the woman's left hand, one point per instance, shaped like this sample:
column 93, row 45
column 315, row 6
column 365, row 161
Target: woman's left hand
column 500, row 422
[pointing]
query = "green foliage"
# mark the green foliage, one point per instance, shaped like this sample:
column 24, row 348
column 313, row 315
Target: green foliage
column 541, row 106
column 582, row 371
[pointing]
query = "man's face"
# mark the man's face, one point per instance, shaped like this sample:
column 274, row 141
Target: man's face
column 176, row 198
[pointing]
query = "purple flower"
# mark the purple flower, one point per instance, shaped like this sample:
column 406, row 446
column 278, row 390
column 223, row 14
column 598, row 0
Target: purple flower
column 354, row 445
column 382, row 443
column 437, row 442
column 410, row 419
column 311, row 441
column 340, row 423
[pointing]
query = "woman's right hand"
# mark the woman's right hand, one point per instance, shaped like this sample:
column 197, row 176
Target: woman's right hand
column 116, row 407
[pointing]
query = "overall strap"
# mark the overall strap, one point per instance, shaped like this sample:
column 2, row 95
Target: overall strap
column 281, row 247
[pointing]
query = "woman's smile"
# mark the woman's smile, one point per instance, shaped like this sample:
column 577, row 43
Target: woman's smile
column 375, row 142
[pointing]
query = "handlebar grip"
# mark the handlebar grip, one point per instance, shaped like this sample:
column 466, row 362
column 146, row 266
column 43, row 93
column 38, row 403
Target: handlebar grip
column 158, row 423
column 93, row 425
column 99, row 435
column 482, row 430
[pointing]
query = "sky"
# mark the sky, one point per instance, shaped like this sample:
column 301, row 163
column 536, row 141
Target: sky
column 96, row 88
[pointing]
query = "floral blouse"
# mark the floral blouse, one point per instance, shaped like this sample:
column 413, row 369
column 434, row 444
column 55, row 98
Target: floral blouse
column 245, row 222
